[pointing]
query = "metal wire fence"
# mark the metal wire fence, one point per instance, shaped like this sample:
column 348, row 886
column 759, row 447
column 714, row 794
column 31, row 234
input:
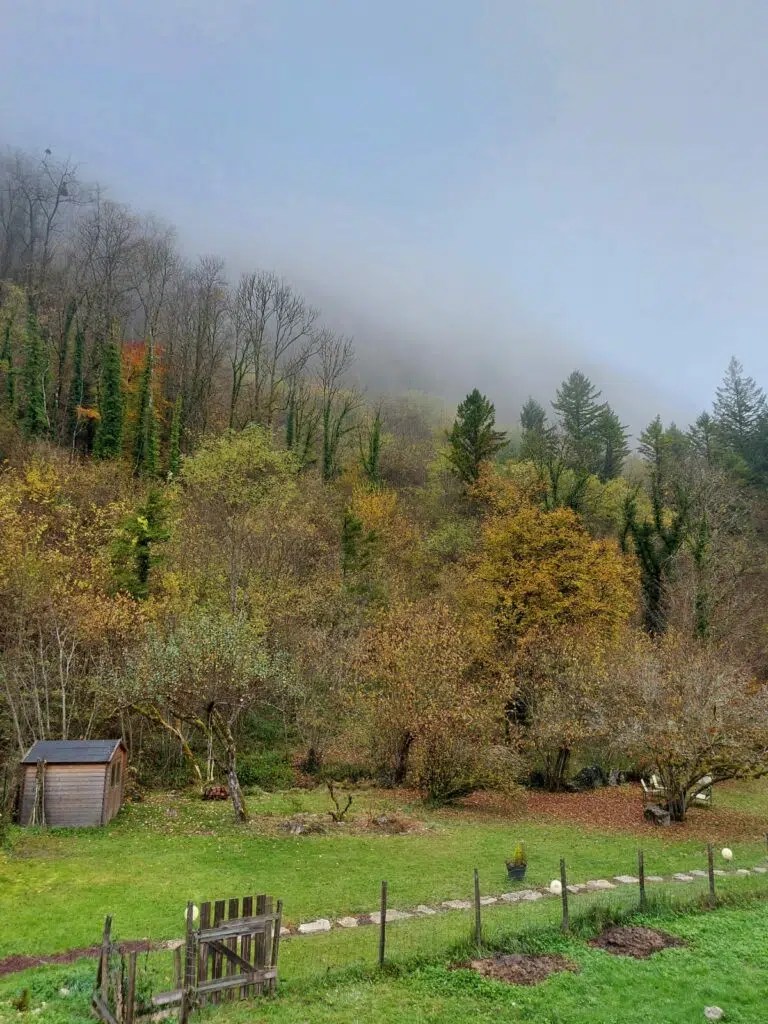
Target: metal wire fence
column 488, row 920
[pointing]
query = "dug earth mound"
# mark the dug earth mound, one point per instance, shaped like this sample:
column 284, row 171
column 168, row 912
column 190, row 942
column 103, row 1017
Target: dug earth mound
column 634, row 941
column 520, row 968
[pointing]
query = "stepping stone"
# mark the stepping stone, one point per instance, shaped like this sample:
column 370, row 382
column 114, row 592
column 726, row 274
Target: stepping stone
column 347, row 922
column 422, row 909
column 654, row 878
column 577, row 887
column 699, row 874
column 760, row 871
column 742, row 872
column 392, row 915
column 626, row 879
column 456, row 904
column 598, row 884
column 510, row 897
column 531, row 895
column 285, row 933
column 682, row 877
column 486, row 901
column 720, row 872
column 312, row 927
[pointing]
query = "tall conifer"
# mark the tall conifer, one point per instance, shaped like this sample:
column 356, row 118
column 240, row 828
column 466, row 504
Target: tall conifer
column 109, row 433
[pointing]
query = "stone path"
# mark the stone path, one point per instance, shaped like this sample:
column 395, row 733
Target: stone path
column 12, row 964
column 324, row 924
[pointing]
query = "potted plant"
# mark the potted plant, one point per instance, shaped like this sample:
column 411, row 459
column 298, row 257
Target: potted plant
column 517, row 864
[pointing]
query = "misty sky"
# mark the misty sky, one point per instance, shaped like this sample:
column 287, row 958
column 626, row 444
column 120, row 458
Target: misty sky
column 483, row 193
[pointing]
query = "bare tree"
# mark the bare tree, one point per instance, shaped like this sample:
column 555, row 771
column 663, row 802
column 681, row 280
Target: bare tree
column 337, row 402
column 272, row 342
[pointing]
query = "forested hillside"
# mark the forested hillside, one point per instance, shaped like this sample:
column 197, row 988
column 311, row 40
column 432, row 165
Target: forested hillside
column 214, row 543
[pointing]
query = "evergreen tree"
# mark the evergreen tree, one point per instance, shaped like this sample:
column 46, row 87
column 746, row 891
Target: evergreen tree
column 370, row 454
column 533, row 418
column 537, row 441
column 109, row 433
column 739, row 406
column 614, row 448
column 473, row 439
column 134, row 553
column 658, row 539
column 34, row 373
column 704, row 439
column 76, row 398
column 6, row 365
column 174, row 447
column 145, row 442
column 580, row 412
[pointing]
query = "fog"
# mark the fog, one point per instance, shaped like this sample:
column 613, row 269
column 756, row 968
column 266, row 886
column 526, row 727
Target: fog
column 482, row 194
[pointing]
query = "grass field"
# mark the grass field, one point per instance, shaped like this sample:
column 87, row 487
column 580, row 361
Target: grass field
column 724, row 963
column 171, row 848
column 56, row 887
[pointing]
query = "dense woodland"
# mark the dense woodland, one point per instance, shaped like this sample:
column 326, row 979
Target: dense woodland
column 215, row 544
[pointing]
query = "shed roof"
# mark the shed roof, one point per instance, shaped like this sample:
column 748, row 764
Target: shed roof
column 72, row 751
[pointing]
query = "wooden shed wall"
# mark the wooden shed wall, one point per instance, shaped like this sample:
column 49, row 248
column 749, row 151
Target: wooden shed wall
column 113, row 794
column 74, row 793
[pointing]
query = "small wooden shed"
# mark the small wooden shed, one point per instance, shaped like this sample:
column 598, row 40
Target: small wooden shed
column 72, row 782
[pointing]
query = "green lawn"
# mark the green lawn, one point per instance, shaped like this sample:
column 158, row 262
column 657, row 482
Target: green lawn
column 724, row 963
column 56, row 887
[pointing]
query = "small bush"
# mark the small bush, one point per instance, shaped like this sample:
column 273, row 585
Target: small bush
column 268, row 770
column 349, row 773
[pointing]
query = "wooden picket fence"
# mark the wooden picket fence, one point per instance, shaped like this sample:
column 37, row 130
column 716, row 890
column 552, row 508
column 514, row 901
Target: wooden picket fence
column 231, row 953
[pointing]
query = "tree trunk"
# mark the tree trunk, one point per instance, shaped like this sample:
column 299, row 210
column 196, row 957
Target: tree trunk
column 556, row 774
column 230, row 750
column 676, row 805
column 401, row 760
column 235, row 792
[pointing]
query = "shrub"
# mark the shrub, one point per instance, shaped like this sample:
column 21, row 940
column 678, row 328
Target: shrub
column 268, row 769
column 341, row 772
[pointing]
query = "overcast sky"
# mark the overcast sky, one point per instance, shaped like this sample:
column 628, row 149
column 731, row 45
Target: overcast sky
column 483, row 193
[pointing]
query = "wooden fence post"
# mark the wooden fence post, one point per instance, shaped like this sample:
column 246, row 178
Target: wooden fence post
column 276, row 942
column 383, row 924
column 478, row 918
column 190, row 953
column 564, row 895
column 106, row 943
column 711, row 873
column 641, row 877
column 130, row 993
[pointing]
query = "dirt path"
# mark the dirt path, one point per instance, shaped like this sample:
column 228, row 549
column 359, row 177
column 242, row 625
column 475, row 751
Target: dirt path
column 16, row 963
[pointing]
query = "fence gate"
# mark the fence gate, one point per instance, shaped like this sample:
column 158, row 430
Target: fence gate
column 229, row 953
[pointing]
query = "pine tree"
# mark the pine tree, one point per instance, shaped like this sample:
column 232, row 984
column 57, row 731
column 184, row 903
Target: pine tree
column 34, row 374
column 370, row 455
column 473, row 439
column 145, row 442
column 533, row 418
column 77, row 386
column 580, row 412
column 739, row 405
column 704, row 439
column 109, row 433
column 614, row 448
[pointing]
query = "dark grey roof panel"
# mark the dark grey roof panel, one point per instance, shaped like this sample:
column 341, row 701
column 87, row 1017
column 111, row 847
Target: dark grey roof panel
column 72, row 751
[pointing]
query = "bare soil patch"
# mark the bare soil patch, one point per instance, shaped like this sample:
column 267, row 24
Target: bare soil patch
column 14, row 964
column 519, row 968
column 634, row 941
